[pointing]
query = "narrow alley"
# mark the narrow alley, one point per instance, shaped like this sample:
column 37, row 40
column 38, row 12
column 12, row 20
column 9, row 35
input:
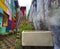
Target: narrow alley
column 29, row 24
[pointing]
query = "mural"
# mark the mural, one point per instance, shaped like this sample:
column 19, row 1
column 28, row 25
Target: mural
column 54, row 4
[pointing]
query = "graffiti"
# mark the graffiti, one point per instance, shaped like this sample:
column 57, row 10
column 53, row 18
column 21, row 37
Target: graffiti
column 54, row 4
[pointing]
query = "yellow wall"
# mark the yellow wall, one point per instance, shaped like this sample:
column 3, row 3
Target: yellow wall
column 2, row 5
column 2, row 0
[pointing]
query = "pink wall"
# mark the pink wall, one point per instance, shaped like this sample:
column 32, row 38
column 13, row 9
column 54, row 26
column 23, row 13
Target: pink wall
column 23, row 11
column 9, row 12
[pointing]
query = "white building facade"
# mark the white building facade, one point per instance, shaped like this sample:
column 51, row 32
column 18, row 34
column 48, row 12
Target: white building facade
column 49, row 12
column 33, row 15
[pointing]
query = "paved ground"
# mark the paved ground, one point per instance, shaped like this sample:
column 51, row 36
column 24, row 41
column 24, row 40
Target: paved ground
column 8, row 42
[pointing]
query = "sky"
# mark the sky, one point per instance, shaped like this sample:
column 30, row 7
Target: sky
column 26, row 3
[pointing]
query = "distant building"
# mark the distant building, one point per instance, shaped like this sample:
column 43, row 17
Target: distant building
column 23, row 11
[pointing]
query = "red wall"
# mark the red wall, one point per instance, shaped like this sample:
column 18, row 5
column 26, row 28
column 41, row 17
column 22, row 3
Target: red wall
column 13, row 24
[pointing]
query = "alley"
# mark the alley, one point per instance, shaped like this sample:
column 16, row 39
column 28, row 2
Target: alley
column 29, row 24
column 15, row 18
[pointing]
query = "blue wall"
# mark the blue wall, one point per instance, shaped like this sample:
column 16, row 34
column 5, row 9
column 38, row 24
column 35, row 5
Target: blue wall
column 9, row 26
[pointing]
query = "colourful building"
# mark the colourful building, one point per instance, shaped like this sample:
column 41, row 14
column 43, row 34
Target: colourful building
column 3, row 16
column 23, row 11
column 7, row 16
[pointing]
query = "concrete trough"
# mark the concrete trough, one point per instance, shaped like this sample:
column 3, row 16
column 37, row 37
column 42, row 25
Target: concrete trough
column 37, row 38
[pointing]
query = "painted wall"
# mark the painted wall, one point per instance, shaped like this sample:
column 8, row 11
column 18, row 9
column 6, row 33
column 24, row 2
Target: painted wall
column 3, row 30
column 5, row 19
column 8, row 7
column 1, row 18
column 3, row 6
column 9, row 26
column 9, row 10
column 12, row 7
column 13, row 24
column 2, row 0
